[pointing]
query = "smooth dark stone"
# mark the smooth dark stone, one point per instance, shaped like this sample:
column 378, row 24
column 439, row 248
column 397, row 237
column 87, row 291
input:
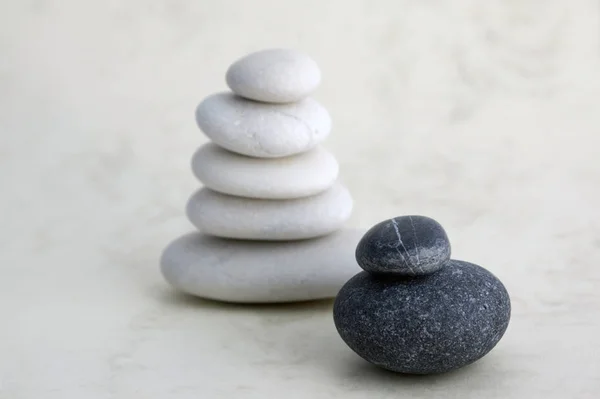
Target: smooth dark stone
column 423, row 325
column 405, row 245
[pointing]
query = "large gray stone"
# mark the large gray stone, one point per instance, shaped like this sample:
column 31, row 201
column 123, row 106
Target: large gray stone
column 425, row 324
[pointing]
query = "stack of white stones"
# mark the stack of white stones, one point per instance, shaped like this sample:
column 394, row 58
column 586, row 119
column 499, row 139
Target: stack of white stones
column 270, row 215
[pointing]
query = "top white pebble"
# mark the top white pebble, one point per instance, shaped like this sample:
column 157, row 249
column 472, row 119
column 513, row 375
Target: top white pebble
column 274, row 76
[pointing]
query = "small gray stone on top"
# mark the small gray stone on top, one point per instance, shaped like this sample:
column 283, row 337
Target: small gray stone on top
column 406, row 245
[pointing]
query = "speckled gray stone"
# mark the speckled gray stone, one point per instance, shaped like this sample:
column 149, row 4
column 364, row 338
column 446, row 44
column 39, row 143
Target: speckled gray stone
column 425, row 324
column 406, row 245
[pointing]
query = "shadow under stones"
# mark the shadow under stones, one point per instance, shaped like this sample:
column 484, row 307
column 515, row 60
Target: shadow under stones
column 314, row 343
column 490, row 371
column 182, row 300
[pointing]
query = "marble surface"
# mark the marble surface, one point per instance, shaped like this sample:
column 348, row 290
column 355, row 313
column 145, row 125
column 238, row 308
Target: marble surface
column 482, row 115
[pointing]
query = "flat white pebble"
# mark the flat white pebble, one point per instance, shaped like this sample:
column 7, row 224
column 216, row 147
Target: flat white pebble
column 261, row 271
column 290, row 177
column 259, row 219
column 274, row 75
column 263, row 130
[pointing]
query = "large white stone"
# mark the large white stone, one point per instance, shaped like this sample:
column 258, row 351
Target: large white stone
column 290, row 177
column 260, row 219
column 274, row 75
column 263, row 130
column 261, row 271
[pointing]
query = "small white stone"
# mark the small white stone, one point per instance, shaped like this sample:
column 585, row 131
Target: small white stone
column 263, row 130
column 260, row 219
column 274, row 76
column 290, row 177
column 261, row 271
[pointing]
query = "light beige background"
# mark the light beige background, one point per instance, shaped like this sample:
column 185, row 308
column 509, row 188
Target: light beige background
column 482, row 114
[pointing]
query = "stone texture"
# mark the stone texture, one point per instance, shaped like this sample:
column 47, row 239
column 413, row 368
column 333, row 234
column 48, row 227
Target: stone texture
column 92, row 176
column 263, row 130
column 425, row 324
column 258, row 219
column 406, row 245
column 253, row 272
column 290, row 177
column 274, row 75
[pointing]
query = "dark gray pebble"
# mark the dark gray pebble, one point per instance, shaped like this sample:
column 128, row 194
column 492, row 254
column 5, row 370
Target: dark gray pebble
column 426, row 324
column 406, row 245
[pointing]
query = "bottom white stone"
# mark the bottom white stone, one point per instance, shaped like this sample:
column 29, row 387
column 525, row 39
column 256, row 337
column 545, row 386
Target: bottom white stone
column 261, row 271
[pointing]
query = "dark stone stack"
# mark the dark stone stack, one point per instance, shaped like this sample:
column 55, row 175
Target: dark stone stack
column 414, row 310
